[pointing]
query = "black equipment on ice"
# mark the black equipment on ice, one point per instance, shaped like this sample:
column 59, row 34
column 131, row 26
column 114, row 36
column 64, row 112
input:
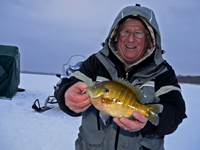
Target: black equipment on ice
column 68, row 70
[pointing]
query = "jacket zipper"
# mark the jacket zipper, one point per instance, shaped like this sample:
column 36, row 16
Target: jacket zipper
column 127, row 71
column 126, row 75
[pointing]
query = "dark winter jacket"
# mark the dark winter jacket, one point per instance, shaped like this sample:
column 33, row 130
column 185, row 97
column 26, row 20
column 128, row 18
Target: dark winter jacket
column 152, row 74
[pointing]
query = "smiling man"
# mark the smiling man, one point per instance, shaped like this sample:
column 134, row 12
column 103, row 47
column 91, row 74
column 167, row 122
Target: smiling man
column 132, row 51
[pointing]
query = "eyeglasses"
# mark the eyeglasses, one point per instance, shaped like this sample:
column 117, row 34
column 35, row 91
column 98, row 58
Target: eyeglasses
column 137, row 34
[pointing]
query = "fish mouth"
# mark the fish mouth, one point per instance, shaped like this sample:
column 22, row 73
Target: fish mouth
column 91, row 94
column 96, row 94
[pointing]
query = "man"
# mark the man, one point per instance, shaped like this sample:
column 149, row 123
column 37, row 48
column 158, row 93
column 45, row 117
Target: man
column 131, row 51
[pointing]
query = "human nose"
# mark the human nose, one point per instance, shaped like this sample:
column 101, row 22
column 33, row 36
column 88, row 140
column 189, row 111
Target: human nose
column 131, row 37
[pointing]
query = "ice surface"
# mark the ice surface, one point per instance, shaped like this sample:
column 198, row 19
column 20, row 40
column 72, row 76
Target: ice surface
column 22, row 128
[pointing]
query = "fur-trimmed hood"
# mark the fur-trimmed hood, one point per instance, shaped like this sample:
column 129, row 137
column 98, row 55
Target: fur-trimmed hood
column 147, row 17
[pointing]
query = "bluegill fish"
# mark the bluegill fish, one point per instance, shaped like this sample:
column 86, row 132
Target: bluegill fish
column 119, row 98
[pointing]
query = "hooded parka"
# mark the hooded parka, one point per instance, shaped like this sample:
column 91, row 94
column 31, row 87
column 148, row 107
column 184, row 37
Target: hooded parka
column 153, row 75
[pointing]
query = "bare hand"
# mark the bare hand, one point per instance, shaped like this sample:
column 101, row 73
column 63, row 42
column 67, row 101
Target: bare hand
column 75, row 99
column 132, row 125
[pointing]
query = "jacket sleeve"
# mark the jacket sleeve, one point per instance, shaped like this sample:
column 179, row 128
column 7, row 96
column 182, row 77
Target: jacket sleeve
column 88, row 69
column 174, row 105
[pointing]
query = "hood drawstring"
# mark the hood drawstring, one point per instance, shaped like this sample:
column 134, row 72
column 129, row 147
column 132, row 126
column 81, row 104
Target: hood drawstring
column 151, row 17
column 122, row 13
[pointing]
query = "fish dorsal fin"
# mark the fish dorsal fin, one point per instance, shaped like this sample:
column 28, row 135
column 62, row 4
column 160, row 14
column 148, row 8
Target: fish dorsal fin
column 126, row 83
column 136, row 90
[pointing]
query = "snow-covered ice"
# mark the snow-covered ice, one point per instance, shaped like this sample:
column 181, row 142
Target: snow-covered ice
column 22, row 128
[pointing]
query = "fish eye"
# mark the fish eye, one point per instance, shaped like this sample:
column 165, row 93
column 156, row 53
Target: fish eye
column 106, row 91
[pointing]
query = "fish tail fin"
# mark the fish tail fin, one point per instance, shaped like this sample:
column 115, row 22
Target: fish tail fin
column 154, row 110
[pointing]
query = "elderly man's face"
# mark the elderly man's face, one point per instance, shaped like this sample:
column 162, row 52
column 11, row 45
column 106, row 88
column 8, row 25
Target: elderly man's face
column 130, row 48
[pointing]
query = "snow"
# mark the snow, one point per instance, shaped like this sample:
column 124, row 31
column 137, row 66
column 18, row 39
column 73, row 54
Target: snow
column 23, row 128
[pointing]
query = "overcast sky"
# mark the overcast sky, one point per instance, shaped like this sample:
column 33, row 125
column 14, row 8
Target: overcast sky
column 49, row 32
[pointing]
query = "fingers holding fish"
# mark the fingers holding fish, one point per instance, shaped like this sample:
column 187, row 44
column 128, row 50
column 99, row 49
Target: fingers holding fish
column 139, row 117
column 79, row 87
column 119, row 123
column 78, row 106
column 132, row 125
column 75, row 99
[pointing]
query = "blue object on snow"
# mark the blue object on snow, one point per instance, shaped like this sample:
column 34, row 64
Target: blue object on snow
column 74, row 68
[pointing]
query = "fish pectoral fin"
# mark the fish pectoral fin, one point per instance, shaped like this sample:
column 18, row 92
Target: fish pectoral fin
column 104, row 117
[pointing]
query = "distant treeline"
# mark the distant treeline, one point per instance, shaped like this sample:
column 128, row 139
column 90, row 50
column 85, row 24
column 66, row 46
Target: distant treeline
column 41, row 73
column 181, row 79
column 188, row 79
